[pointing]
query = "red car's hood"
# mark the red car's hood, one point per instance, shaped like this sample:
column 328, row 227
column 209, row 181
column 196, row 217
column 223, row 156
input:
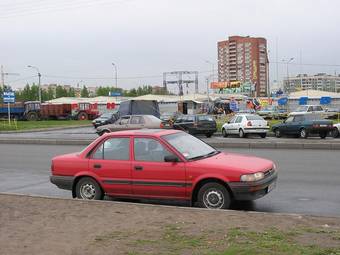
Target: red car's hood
column 236, row 162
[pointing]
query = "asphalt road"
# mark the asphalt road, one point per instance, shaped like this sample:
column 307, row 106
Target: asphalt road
column 89, row 133
column 308, row 179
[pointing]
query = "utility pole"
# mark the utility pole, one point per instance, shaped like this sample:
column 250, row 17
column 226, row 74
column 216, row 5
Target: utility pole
column 3, row 74
column 116, row 78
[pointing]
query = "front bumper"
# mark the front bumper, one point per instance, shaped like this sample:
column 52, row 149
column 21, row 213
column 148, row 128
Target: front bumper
column 253, row 190
column 62, row 182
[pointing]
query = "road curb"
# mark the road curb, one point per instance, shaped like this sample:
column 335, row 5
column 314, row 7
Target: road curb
column 222, row 145
column 43, row 129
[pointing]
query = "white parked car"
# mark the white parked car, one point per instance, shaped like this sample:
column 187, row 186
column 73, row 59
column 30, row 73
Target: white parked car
column 307, row 109
column 244, row 124
column 336, row 131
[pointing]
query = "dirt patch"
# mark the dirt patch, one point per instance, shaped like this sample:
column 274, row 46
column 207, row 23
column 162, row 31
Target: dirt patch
column 32, row 225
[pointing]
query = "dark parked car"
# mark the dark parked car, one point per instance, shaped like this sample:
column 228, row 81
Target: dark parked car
column 106, row 118
column 302, row 125
column 196, row 124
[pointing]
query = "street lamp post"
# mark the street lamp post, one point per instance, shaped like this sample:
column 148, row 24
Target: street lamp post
column 116, row 79
column 39, row 83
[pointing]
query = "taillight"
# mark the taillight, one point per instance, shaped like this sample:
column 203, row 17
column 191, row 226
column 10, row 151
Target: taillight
column 249, row 124
column 316, row 126
column 161, row 125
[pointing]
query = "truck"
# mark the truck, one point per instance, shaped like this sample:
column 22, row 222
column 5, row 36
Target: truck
column 139, row 107
column 85, row 111
column 21, row 110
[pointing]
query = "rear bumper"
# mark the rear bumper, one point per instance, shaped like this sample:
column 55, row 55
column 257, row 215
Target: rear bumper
column 256, row 130
column 62, row 182
column 319, row 130
column 253, row 190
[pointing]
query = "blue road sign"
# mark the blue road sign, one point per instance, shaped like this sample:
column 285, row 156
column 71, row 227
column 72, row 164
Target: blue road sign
column 115, row 94
column 9, row 97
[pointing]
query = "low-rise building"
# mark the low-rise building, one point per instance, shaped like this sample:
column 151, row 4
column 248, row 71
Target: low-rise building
column 320, row 81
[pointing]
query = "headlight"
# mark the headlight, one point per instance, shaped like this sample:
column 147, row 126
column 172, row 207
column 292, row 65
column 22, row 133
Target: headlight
column 252, row 177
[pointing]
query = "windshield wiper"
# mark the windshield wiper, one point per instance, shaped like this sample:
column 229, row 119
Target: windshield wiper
column 205, row 156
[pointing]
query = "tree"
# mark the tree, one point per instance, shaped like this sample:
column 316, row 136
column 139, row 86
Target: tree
column 84, row 92
column 71, row 92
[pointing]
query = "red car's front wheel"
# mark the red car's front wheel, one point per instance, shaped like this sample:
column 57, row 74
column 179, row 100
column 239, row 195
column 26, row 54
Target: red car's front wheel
column 214, row 196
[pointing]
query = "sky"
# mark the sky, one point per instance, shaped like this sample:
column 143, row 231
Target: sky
column 76, row 42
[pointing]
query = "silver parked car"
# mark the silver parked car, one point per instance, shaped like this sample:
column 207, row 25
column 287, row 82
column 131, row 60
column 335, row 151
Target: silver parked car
column 244, row 124
column 130, row 122
column 336, row 131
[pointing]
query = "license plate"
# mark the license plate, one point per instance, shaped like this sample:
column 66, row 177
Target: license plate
column 323, row 125
column 271, row 187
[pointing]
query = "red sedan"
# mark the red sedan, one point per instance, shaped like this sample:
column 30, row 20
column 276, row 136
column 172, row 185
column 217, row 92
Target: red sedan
column 162, row 164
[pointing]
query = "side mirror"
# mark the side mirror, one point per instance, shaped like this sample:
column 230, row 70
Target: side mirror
column 228, row 122
column 170, row 158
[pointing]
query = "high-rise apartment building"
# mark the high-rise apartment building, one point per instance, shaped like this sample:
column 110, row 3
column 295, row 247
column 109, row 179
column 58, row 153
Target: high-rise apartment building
column 244, row 59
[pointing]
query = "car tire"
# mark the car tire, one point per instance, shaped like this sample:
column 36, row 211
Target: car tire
column 213, row 195
column 208, row 135
column 323, row 135
column 241, row 133
column 88, row 189
column 263, row 135
column 277, row 133
column 83, row 116
column 335, row 133
column 303, row 133
column 224, row 132
column 104, row 132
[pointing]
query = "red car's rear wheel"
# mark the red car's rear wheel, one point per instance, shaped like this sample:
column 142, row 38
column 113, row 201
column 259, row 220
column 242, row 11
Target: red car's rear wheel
column 88, row 189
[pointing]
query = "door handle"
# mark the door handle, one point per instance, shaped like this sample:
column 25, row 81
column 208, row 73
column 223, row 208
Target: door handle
column 97, row 166
column 138, row 168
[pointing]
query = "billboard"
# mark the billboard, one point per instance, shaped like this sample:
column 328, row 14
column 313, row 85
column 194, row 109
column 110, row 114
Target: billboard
column 225, row 84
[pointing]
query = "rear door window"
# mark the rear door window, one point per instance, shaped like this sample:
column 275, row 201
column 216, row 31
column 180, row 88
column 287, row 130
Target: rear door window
column 205, row 118
column 113, row 149
column 137, row 120
column 239, row 119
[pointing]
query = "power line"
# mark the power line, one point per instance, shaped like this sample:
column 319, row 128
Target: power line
column 22, row 79
column 304, row 64
column 58, row 8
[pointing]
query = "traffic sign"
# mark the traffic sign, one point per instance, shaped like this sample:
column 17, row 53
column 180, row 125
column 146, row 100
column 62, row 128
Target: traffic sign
column 9, row 97
column 115, row 94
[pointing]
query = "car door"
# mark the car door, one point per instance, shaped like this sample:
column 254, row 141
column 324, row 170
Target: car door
column 286, row 126
column 296, row 124
column 121, row 124
column 237, row 125
column 111, row 163
column 136, row 122
column 229, row 126
column 152, row 176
